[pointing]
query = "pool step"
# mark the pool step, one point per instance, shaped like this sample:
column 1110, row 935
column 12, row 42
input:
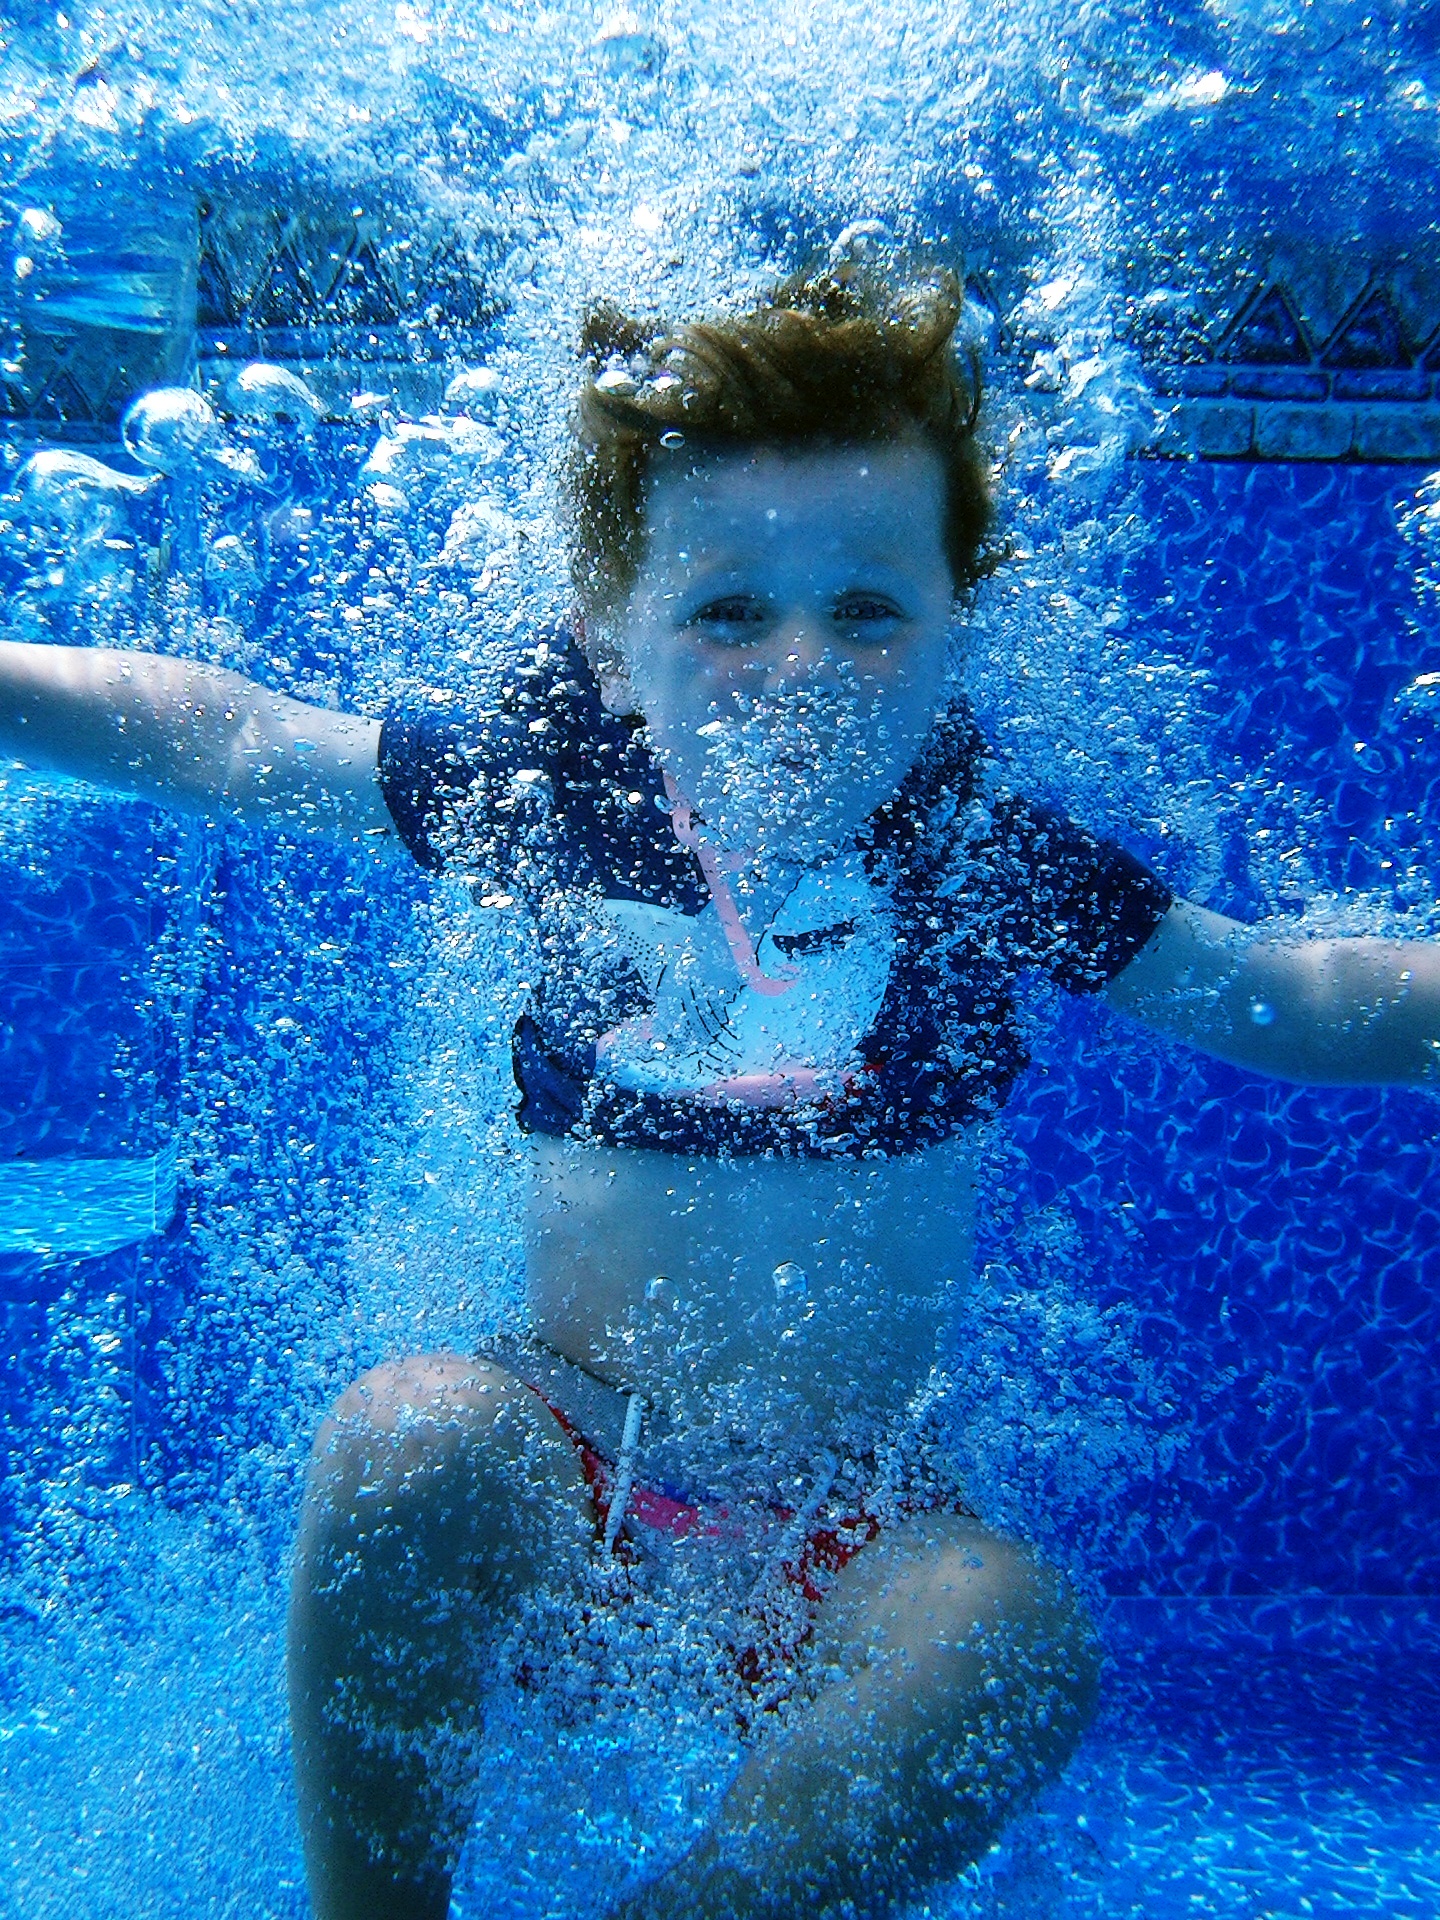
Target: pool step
column 71, row 1207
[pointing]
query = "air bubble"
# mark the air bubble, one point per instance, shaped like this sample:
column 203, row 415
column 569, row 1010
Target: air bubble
column 290, row 524
column 791, row 1281
column 65, row 487
column 415, row 449
column 77, row 506
column 387, row 498
column 626, row 48
column 861, row 240
column 230, row 566
column 480, row 534
column 476, row 391
column 1262, row 1014
column 39, row 224
column 172, row 429
column 263, row 391
column 1047, row 373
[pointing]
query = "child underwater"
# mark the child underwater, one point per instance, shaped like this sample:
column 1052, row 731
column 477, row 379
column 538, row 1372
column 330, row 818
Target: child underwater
column 784, row 895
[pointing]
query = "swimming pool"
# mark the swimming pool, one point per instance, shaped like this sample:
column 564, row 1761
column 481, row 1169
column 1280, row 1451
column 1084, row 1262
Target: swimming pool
column 1196, row 1368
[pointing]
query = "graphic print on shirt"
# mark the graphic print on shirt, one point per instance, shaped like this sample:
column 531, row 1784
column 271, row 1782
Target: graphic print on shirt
column 710, row 1037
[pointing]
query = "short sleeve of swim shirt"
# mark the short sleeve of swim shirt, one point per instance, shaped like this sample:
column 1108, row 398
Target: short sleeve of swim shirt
column 448, row 778
column 542, row 790
column 1052, row 895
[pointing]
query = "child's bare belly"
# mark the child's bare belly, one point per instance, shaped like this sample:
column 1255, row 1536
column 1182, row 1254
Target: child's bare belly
column 807, row 1293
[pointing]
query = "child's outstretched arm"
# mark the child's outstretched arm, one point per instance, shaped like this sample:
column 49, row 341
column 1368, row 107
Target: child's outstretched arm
column 1320, row 1011
column 195, row 738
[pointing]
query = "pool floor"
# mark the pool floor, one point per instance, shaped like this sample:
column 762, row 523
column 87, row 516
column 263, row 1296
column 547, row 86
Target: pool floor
column 1257, row 1758
column 1230, row 1778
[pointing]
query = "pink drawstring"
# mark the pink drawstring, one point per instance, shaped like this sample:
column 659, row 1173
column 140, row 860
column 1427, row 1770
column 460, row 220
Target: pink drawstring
column 712, row 865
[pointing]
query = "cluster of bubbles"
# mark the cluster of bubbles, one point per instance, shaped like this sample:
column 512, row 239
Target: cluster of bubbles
column 220, row 516
column 79, row 526
column 1420, row 525
column 778, row 772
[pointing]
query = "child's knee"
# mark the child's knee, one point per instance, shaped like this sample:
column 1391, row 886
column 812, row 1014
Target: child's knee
column 433, row 1386
column 964, row 1613
column 442, row 1432
column 995, row 1597
column 439, row 1475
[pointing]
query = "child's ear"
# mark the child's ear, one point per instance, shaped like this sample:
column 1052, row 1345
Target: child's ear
column 602, row 650
column 616, row 693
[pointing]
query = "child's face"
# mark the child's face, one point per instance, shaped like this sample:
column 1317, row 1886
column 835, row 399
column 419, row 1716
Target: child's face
column 786, row 638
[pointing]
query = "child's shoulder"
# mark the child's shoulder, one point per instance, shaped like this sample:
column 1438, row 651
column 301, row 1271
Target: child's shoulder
column 530, row 748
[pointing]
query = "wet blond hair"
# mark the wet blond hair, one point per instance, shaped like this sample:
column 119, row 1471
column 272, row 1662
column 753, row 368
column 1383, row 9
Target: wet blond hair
column 830, row 359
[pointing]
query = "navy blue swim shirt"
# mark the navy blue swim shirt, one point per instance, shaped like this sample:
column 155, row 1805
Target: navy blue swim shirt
column 552, row 799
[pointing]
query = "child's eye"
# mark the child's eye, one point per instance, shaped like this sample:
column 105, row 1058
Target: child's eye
column 865, row 609
column 735, row 614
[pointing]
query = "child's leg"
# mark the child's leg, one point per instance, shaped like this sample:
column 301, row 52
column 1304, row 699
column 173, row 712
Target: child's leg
column 440, row 1492
column 962, row 1675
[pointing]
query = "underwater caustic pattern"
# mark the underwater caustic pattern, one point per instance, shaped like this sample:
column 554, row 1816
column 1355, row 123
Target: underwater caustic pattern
column 1272, row 1252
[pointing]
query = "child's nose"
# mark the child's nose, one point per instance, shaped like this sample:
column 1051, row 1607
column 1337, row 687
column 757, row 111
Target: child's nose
column 801, row 652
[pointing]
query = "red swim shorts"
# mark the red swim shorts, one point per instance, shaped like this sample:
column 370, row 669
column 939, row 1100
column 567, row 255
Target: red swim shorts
column 782, row 1617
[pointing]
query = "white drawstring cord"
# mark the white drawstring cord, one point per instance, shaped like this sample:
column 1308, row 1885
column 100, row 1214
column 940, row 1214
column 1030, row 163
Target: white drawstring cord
column 624, row 1470
column 798, row 1532
column 713, row 864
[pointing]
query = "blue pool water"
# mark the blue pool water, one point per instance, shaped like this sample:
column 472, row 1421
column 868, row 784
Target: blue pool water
column 254, row 1100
